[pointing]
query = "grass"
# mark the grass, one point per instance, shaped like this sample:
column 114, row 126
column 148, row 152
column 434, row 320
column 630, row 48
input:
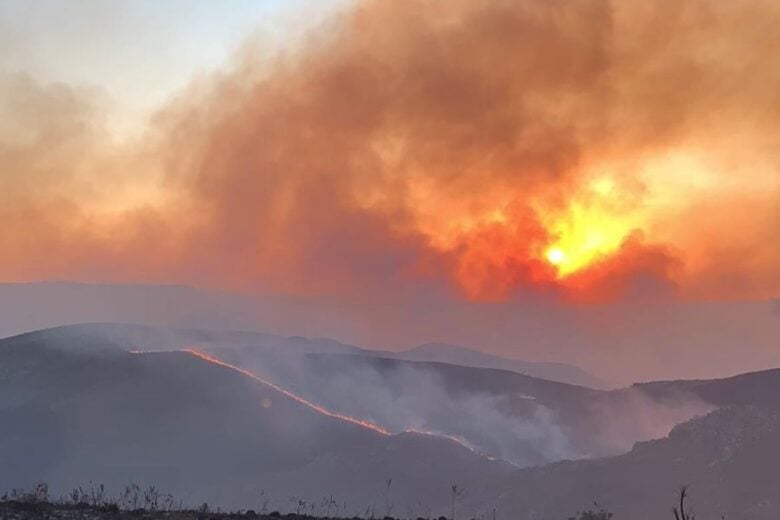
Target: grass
column 135, row 502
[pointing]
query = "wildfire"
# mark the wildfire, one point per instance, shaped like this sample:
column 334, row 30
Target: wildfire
column 324, row 411
column 452, row 438
column 317, row 408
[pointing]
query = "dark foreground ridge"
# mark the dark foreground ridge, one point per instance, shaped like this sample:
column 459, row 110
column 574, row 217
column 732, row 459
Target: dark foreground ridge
column 36, row 505
column 18, row 510
column 135, row 504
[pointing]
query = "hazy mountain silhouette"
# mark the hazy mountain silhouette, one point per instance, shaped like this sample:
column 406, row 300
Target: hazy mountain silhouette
column 35, row 306
column 459, row 355
column 620, row 343
column 754, row 388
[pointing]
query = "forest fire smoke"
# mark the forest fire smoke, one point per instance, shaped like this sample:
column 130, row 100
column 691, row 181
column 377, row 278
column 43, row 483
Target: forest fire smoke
column 360, row 422
column 489, row 150
column 309, row 404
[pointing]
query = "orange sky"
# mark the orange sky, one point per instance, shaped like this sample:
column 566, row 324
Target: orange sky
column 591, row 150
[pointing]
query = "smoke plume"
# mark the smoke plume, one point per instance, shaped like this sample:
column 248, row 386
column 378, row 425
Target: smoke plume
column 589, row 150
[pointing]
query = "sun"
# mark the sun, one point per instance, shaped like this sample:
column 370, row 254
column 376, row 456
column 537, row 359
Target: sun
column 555, row 256
column 598, row 217
column 584, row 237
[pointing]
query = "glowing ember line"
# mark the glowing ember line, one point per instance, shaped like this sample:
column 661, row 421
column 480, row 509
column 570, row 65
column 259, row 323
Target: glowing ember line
column 453, row 438
column 360, row 422
column 301, row 400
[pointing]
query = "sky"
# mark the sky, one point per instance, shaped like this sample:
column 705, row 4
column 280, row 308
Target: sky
column 581, row 152
column 139, row 54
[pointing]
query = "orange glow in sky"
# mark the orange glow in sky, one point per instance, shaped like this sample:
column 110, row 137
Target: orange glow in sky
column 365, row 158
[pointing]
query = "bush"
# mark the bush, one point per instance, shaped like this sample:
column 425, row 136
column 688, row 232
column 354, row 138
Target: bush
column 599, row 514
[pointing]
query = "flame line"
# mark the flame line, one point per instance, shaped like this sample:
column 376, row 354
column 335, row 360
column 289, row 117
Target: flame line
column 456, row 440
column 301, row 400
column 317, row 408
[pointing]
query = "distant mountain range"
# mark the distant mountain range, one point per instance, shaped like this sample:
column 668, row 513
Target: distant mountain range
column 619, row 344
column 35, row 306
column 459, row 355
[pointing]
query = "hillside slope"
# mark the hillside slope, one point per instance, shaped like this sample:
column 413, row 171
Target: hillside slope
column 459, row 355
column 729, row 458
column 73, row 410
column 525, row 420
